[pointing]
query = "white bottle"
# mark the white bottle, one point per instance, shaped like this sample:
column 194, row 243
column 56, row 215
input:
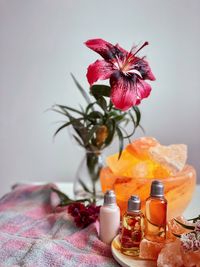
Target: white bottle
column 109, row 218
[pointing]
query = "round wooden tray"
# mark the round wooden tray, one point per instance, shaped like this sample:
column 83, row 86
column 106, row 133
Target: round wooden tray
column 128, row 261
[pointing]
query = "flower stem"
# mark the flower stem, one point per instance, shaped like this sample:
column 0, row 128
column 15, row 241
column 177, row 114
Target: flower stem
column 94, row 192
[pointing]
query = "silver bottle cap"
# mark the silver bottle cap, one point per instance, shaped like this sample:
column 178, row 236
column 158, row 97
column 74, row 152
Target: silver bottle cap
column 134, row 204
column 157, row 189
column 109, row 198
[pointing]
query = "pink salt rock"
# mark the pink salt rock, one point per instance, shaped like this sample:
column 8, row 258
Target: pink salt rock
column 173, row 157
column 150, row 250
column 170, row 255
column 191, row 258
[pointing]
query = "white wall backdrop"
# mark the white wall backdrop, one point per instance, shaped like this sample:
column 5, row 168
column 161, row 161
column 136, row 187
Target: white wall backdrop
column 41, row 42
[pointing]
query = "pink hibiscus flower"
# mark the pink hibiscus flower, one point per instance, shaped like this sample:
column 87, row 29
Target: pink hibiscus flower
column 126, row 71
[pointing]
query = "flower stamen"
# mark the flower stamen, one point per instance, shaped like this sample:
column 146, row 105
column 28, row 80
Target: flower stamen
column 125, row 67
column 145, row 44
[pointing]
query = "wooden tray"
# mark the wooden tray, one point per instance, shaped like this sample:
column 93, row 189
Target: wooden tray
column 128, row 261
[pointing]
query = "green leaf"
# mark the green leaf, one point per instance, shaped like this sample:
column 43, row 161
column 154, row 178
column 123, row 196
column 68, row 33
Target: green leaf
column 78, row 140
column 95, row 115
column 62, row 127
column 134, row 126
column 84, row 186
column 65, row 200
column 132, row 118
column 111, row 131
column 102, row 103
column 127, row 135
column 81, row 89
column 59, row 111
column 80, row 129
column 138, row 115
column 61, row 195
column 71, row 109
column 126, row 121
column 67, row 124
column 110, row 106
column 121, row 141
column 142, row 128
column 90, row 106
column 113, row 113
column 119, row 118
column 81, row 108
column 100, row 90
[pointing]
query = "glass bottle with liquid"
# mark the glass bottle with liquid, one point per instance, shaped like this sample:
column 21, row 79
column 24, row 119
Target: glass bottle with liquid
column 156, row 213
column 132, row 227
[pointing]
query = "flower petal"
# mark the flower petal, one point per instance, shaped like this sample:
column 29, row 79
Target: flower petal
column 107, row 50
column 123, row 94
column 143, row 89
column 149, row 74
column 99, row 70
column 143, row 67
column 122, row 50
column 100, row 46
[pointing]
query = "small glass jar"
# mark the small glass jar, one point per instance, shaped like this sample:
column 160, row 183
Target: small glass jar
column 132, row 228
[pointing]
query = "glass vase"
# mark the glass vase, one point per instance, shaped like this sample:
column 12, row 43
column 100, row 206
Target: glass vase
column 87, row 183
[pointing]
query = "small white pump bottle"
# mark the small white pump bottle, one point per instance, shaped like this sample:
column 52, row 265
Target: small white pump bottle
column 109, row 218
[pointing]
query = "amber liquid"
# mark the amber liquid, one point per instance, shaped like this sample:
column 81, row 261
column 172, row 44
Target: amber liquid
column 155, row 219
column 131, row 233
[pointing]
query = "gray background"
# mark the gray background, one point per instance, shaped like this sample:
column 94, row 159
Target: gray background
column 41, row 42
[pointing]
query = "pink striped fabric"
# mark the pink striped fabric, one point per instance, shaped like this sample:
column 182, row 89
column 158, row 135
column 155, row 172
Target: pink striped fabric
column 33, row 234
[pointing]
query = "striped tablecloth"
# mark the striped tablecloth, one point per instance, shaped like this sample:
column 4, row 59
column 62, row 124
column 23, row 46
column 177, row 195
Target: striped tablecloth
column 34, row 234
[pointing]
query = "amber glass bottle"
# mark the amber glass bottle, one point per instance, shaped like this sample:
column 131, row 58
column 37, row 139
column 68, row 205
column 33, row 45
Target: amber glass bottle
column 132, row 228
column 156, row 213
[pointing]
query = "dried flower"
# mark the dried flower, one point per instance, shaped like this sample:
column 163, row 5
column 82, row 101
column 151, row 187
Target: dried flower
column 75, row 208
column 197, row 226
column 83, row 215
column 191, row 241
column 126, row 71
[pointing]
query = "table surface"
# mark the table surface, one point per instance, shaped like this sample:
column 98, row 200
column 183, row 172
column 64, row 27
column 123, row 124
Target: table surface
column 193, row 209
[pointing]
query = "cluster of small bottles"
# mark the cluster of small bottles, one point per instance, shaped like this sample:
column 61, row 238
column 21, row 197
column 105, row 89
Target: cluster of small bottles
column 135, row 225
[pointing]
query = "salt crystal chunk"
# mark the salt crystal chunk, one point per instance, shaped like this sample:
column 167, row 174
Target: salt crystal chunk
column 150, row 250
column 170, row 255
column 172, row 157
column 191, row 258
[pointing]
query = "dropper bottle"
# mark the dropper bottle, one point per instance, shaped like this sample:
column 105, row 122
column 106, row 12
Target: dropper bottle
column 156, row 213
column 109, row 218
column 132, row 227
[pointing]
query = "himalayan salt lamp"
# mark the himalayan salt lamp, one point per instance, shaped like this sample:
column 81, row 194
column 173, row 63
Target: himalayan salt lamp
column 143, row 161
